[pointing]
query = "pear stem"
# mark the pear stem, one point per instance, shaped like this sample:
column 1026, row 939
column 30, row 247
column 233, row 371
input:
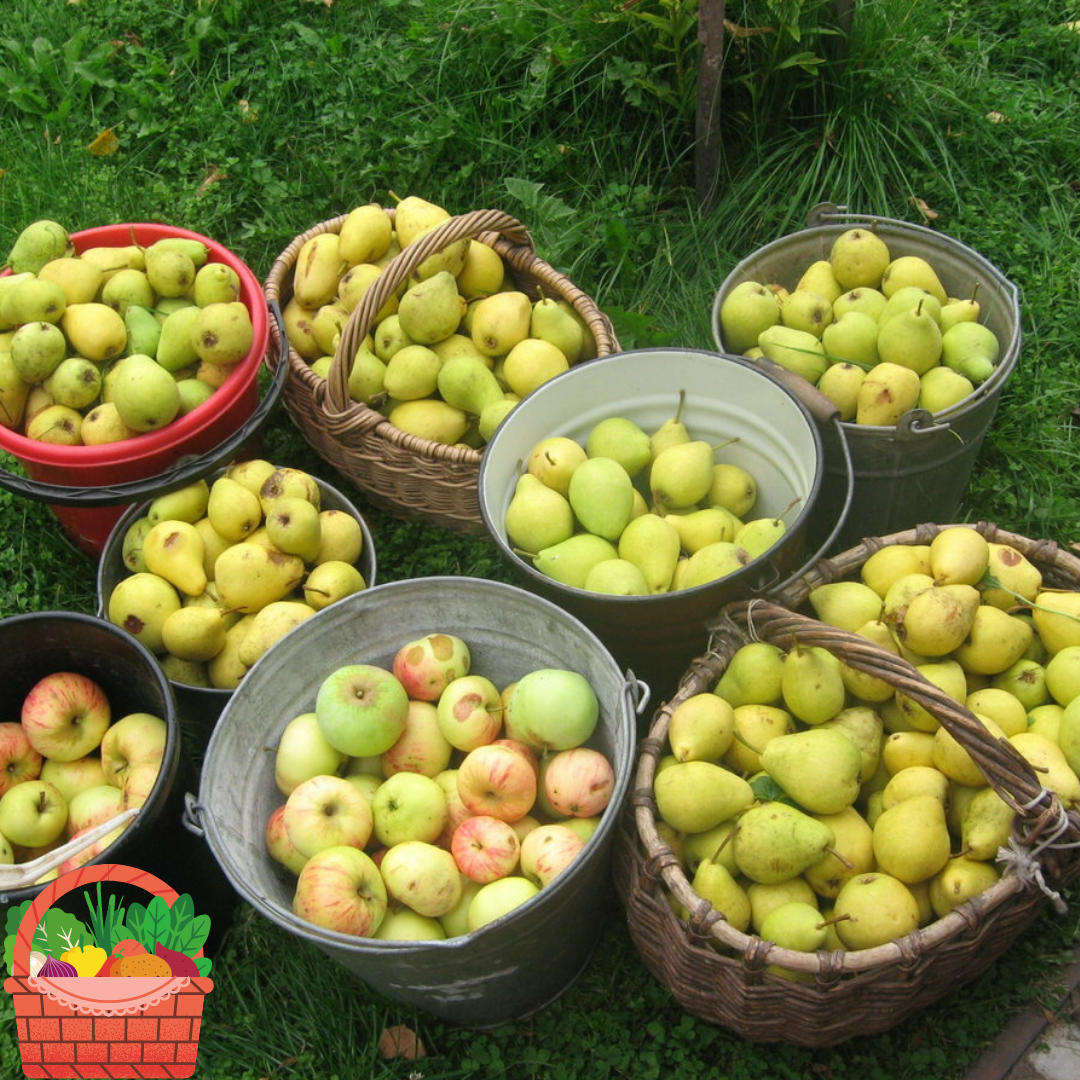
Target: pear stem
column 723, row 844
column 682, row 402
column 726, row 442
column 394, row 195
column 836, row 855
column 749, row 745
column 832, row 920
column 523, row 553
column 975, row 290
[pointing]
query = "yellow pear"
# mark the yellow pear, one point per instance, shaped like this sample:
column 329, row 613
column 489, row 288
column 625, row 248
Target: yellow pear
column 766, row 897
column 711, row 844
column 1005, row 709
column 861, row 684
column 958, row 881
column 195, row 633
column 914, row 780
column 269, row 625
column 959, row 556
column 911, row 839
column 846, row 605
column 912, row 270
column 531, row 362
column 500, row 321
column 948, row 676
column 985, row 824
column 754, row 726
column 888, row 391
column 1057, row 618
column 862, row 725
column 693, row 796
column 953, row 758
column 249, row 576
column 1051, row 765
column 1017, row 577
column 318, row 268
column 873, row 909
column 852, row 852
column 754, row 675
column 902, row 749
column 812, row 688
column 365, row 234
column 174, row 550
column 995, row 641
column 234, row 511
column 714, row 882
column 937, row 620
column 225, row 670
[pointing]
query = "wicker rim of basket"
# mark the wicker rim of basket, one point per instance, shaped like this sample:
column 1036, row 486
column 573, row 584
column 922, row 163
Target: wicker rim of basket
column 1007, row 772
column 330, row 397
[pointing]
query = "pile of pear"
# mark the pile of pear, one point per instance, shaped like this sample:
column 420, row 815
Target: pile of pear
column 629, row 512
column 875, row 332
column 818, row 807
column 456, row 344
column 219, row 570
column 105, row 344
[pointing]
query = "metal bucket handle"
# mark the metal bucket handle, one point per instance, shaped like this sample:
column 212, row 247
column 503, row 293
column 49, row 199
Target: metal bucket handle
column 182, row 472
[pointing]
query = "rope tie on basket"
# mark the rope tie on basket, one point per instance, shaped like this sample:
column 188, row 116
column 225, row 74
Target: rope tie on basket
column 1023, row 861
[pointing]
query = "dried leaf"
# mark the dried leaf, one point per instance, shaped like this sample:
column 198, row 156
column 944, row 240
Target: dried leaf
column 923, row 208
column 400, row 1041
column 106, row 143
column 212, row 177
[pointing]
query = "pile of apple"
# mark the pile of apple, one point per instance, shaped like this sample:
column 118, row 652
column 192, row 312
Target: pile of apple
column 423, row 801
column 820, row 807
column 629, row 513
column 878, row 335
column 101, row 346
column 67, row 766
column 220, row 570
column 455, row 346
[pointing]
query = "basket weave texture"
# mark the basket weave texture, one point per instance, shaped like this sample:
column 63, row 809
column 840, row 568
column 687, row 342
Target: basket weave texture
column 410, row 477
column 718, row 973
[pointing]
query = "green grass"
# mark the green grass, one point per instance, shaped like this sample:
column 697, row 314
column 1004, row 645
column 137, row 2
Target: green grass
column 251, row 120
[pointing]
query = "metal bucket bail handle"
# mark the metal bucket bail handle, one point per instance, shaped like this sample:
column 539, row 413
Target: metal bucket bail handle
column 181, row 472
column 70, row 881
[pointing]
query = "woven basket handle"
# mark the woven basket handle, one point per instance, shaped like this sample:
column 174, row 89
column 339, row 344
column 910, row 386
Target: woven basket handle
column 399, row 269
column 65, row 883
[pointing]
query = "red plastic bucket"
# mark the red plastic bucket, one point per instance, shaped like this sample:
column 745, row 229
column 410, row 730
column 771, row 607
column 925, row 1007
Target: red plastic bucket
column 88, row 487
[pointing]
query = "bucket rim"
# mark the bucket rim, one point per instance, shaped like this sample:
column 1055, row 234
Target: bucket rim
column 497, row 532
column 205, row 821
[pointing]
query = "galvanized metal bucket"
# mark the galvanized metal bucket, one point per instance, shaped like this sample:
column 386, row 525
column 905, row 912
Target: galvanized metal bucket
column 520, row 962
column 778, row 440
column 918, row 470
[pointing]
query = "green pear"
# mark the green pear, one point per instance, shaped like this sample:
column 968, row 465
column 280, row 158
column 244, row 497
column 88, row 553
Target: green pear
column 222, row 333
column 33, row 300
column 168, row 272
column 807, row 311
column 864, row 299
column 861, row 684
column 698, row 528
column 616, row 577
column 174, row 550
column 127, row 287
column 911, row 839
column 912, row 270
column 851, row 853
column 141, row 603
column 195, row 250
column 143, row 331
column 36, row 350
column 680, row 475
column 694, row 796
column 888, row 391
column 745, row 311
column 412, row 373
column 14, row 392
column 811, row 685
column 293, row 525
column 957, row 311
column 327, row 325
column 775, row 841
column 713, row 881
column 553, row 461
column 38, row 243
column 819, row 277
column 858, row 258
column 759, row 535
column 367, row 377
column 270, row 624
column 330, row 581
column 713, row 844
column 820, row 768
column 570, row 561
column 144, row 393
column 176, row 348
column 733, row 488
column 8, row 284
column 941, row 388
column 234, row 511
column 909, row 298
column 601, row 496
column 1068, row 737
column 432, row 309
column 863, row 726
column 215, row 283
column 554, row 324
column 194, row 634
column 187, row 503
column 537, row 516
column 846, row 605
column 468, row 384
column 754, row 675
column 652, row 544
column 111, row 259
column 937, row 620
column 622, row 439
column 851, row 338
column 755, row 726
column 797, row 350
column 500, row 322
column 713, row 562
column 972, row 349
column 701, row 728
column 911, row 339
column 765, row 898
column 494, row 413
column 249, row 576
column 873, row 909
column 671, row 431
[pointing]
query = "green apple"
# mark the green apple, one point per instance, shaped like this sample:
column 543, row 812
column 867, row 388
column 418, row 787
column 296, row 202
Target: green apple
column 409, row 806
column 303, row 752
column 553, row 709
column 32, row 814
column 361, row 709
column 499, row 898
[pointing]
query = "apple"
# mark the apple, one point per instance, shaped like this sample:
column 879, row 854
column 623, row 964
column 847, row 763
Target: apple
column 409, row 806
column 136, row 739
column 497, row 898
column 65, row 714
column 583, row 826
column 278, row 845
column 547, row 851
column 421, row 747
column 303, row 752
column 340, row 888
column 522, row 748
column 421, row 876
column 470, row 712
column 498, row 781
column 32, row 813
column 523, row 826
column 361, row 709
column 366, row 783
column 18, row 759
column 327, row 811
column 93, row 806
column 456, row 921
column 139, row 783
column 553, row 709
column 578, row 782
column 427, row 664
column 71, row 777
column 88, row 854
column 485, row 848
column 370, row 765
column 404, row 924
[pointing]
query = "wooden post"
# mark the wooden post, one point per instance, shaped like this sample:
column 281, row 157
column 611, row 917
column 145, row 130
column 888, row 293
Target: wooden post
column 707, row 119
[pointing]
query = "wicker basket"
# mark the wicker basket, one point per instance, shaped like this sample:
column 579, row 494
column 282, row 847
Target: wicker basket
column 850, row 993
column 408, row 476
column 82, row 1026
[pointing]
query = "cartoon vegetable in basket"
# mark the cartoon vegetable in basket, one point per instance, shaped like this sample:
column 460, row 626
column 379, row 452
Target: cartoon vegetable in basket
column 121, row 987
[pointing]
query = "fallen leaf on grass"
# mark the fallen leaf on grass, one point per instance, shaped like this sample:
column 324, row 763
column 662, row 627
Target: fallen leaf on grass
column 923, row 207
column 400, row 1041
column 106, row 143
column 212, row 177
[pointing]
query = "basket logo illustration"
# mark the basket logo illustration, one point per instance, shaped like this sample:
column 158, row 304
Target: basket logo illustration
column 106, row 985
